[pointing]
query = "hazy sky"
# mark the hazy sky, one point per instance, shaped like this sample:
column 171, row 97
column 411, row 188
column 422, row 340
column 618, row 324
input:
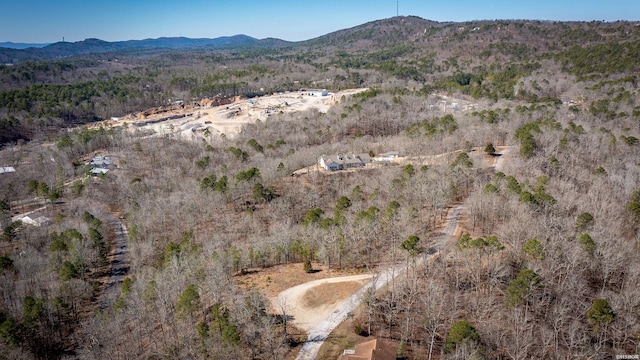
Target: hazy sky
column 42, row 21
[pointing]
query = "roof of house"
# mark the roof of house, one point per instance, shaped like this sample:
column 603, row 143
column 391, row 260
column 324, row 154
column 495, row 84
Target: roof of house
column 99, row 171
column 347, row 159
column 36, row 219
column 375, row 349
column 100, row 161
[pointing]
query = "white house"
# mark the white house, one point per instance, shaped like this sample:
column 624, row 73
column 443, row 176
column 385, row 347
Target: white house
column 328, row 163
column 36, row 220
column 343, row 162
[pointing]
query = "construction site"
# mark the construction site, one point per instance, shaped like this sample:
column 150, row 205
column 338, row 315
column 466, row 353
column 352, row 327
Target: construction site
column 224, row 116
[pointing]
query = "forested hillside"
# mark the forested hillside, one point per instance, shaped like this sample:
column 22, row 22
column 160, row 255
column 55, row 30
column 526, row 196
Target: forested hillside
column 546, row 264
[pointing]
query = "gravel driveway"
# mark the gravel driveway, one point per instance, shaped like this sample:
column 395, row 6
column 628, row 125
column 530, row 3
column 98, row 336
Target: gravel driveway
column 319, row 333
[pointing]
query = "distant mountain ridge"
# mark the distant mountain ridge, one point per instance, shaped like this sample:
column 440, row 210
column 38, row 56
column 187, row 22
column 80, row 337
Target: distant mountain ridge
column 15, row 54
column 182, row 42
column 21, row 46
column 400, row 33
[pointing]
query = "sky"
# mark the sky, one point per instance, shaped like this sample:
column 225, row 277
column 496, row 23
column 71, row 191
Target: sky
column 47, row 21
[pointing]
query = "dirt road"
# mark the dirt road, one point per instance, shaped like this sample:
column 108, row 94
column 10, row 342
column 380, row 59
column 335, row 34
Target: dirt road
column 119, row 267
column 319, row 330
column 319, row 333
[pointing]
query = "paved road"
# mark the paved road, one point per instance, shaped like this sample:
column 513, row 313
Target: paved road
column 320, row 333
column 119, row 266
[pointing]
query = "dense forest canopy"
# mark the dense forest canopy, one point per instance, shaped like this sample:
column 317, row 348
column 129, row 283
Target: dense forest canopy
column 545, row 264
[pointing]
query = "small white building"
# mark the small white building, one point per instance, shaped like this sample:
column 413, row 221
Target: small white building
column 36, row 220
column 386, row 156
column 314, row 92
column 99, row 171
column 7, row 169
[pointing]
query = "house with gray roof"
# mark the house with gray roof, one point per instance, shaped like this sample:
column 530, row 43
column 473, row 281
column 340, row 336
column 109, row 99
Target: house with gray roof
column 36, row 219
column 101, row 162
column 343, row 161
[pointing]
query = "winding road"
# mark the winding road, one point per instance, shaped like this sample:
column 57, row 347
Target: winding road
column 319, row 333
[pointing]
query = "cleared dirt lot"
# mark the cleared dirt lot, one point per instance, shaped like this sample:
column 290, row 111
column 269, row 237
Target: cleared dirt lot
column 312, row 302
column 196, row 121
